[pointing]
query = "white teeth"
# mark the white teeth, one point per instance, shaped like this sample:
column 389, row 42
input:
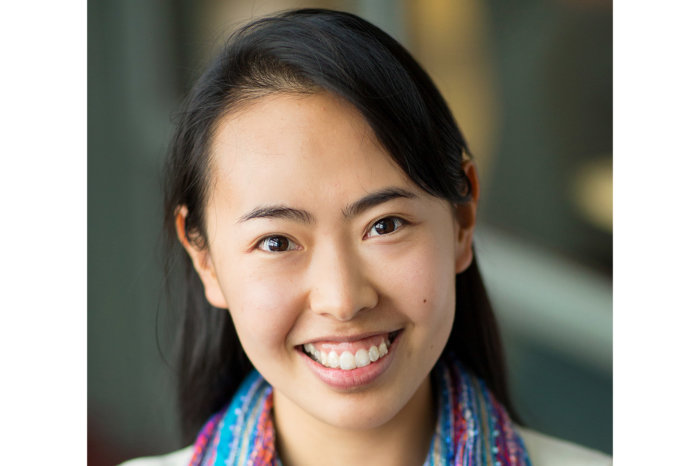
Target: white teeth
column 361, row 358
column 333, row 360
column 373, row 353
column 347, row 361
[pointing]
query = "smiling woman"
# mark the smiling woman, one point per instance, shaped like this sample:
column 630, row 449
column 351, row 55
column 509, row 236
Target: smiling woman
column 365, row 255
column 326, row 200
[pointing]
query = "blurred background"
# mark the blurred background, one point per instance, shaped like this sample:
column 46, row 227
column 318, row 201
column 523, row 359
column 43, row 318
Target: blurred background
column 530, row 83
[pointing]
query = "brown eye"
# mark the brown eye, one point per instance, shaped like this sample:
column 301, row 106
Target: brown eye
column 385, row 226
column 277, row 244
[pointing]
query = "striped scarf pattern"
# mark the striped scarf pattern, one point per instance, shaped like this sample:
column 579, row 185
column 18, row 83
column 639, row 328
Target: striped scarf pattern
column 473, row 429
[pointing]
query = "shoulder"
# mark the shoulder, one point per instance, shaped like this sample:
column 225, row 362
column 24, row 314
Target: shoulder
column 176, row 458
column 549, row 451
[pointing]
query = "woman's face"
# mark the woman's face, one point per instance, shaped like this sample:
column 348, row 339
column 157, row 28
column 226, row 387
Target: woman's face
column 328, row 257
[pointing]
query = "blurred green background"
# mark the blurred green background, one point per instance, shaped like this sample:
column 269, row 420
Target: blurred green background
column 530, row 83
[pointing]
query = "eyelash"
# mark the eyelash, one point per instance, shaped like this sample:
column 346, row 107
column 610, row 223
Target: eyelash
column 397, row 222
column 401, row 223
column 265, row 240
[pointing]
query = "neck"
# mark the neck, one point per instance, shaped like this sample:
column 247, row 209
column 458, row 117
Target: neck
column 403, row 440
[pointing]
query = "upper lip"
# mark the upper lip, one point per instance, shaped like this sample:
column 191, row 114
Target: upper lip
column 348, row 338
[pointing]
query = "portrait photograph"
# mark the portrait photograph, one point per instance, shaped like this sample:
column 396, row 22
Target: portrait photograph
column 313, row 225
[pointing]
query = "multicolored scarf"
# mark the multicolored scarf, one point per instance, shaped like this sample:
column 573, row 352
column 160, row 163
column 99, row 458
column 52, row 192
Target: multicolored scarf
column 473, row 428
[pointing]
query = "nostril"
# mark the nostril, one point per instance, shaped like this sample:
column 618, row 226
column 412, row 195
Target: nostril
column 343, row 303
column 340, row 288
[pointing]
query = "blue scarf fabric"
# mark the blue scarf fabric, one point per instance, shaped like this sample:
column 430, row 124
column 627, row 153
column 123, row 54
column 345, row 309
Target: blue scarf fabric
column 473, row 428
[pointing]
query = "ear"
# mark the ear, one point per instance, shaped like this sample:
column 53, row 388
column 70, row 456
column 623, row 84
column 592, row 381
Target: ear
column 201, row 259
column 465, row 214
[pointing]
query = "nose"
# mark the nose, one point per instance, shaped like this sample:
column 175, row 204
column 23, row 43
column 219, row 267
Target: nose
column 339, row 285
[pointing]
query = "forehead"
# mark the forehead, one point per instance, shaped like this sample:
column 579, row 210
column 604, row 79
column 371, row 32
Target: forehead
column 285, row 146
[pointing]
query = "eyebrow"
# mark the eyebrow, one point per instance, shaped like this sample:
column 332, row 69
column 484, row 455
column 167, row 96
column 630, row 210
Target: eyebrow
column 361, row 205
column 376, row 198
column 278, row 211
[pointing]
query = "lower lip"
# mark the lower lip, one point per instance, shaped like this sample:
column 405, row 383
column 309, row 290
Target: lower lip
column 355, row 378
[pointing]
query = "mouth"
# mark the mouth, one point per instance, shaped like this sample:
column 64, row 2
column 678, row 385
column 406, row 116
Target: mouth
column 350, row 355
column 351, row 364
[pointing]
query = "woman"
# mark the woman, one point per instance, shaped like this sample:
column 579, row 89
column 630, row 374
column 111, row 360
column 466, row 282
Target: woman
column 335, row 314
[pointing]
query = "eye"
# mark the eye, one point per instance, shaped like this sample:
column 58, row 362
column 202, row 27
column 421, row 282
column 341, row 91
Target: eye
column 277, row 244
column 385, row 226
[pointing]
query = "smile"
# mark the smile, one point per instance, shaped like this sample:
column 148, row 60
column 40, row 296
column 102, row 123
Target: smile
column 347, row 358
column 348, row 364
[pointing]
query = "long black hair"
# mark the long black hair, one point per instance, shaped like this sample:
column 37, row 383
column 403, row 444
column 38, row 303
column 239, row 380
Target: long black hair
column 307, row 51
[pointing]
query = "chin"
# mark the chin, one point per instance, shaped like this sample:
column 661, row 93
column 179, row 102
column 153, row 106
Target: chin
column 358, row 414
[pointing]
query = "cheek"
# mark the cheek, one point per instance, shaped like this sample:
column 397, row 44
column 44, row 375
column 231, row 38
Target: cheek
column 423, row 284
column 423, row 291
column 264, row 308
